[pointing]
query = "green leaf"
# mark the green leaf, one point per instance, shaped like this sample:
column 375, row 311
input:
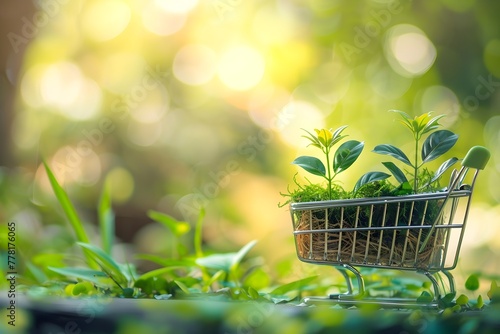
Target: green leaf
column 479, row 303
column 178, row 228
column 165, row 296
column 403, row 189
column 398, row 173
column 37, row 274
column 94, row 276
column 106, row 221
column 425, row 297
column 462, row 300
column 432, row 124
column 293, row 286
column 107, row 264
column 346, row 155
column 241, row 254
column 447, row 300
column 407, row 121
column 370, row 177
column 393, row 151
column 157, row 272
column 437, row 144
column 182, row 286
column 215, row 277
column 443, row 168
column 336, row 135
column 217, row 261
column 165, row 262
column 82, row 288
column 313, row 139
column 152, row 285
column 472, row 282
column 226, row 262
column 311, row 164
column 70, row 212
column 402, row 113
column 254, row 294
column 494, row 291
column 419, row 123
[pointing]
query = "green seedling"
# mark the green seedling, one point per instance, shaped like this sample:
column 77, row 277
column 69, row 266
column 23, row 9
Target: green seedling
column 418, row 178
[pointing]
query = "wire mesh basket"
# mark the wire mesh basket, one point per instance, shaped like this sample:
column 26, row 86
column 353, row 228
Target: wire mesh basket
column 420, row 232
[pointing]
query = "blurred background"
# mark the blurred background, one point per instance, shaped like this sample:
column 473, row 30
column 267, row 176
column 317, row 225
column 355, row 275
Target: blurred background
column 179, row 105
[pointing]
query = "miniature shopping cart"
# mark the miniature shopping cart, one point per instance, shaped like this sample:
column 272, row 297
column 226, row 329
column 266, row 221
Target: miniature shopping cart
column 421, row 233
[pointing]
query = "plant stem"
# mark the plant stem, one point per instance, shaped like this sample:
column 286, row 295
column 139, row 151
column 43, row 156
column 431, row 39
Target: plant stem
column 329, row 178
column 415, row 167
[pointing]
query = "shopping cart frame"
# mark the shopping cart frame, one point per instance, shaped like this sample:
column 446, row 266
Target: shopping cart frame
column 434, row 237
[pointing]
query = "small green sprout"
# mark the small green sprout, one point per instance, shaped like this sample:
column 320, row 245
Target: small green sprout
column 346, row 154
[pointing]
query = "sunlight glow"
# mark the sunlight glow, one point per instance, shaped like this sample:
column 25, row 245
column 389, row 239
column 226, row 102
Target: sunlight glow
column 112, row 75
column 152, row 107
column 121, row 184
column 30, row 86
column 158, row 20
column 176, row 6
column 265, row 104
column 144, row 134
column 195, row 64
column 409, row 52
column 299, row 115
column 241, row 68
column 64, row 87
column 105, row 19
column 441, row 100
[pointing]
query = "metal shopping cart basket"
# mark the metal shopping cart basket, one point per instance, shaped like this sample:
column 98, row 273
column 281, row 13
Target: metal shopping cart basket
column 421, row 233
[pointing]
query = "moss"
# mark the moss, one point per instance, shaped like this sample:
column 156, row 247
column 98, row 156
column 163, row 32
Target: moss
column 375, row 189
column 313, row 192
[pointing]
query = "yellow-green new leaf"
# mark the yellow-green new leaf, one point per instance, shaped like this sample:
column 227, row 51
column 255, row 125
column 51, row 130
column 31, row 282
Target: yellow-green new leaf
column 178, row 228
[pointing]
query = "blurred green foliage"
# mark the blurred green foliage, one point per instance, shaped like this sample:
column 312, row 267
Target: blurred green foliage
column 179, row 106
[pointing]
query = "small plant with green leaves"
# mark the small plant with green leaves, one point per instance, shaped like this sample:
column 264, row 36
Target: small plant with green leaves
column 418, row 179
column 429, row 143
column 337, row 162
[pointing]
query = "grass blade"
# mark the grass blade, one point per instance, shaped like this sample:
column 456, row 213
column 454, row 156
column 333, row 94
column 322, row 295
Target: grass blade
column 106, row 221
column 298, row 285
column 241, row 254
column 97, row 277
column 178, row 228
column 70, row 213
column 198, row 234
column 107, row 264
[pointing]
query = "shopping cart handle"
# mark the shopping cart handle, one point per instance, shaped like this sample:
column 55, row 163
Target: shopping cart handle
column 477, row 157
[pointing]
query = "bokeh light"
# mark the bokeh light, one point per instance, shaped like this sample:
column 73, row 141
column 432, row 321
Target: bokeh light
column 63, row 87
column 492, row 57
column 144, row 134
column 409, row 51
column 298, row 115
column 241, row 67
column 441, row 100
column 158, row 20
column 195, row 64
column 105, row 19
column 121, row 184
column 31, row 86
column 112, row 73
column 175, row 6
